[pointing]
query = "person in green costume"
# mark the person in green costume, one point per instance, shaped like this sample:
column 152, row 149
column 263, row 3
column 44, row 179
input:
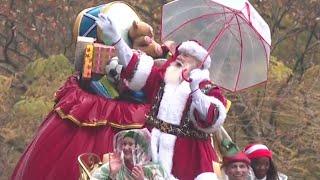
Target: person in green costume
column 131, row 158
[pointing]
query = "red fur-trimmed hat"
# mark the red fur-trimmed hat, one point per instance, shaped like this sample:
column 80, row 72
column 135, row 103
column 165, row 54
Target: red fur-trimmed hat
column 196, row 50
column 238, row 157
column 254, row 151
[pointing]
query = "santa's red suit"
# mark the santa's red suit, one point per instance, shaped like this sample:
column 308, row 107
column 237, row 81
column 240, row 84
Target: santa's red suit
column 182, row 120
column 183, row 114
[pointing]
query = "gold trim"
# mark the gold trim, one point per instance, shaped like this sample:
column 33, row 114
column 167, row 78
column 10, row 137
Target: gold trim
column 95, row 124
column 228, row 105
column 76, row 25
column 131, row 126
column 84, row 168
column 108, row 6
column 85, row 173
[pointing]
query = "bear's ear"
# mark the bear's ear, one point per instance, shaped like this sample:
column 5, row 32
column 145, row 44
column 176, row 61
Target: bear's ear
column 151, row 31
column 135, row 24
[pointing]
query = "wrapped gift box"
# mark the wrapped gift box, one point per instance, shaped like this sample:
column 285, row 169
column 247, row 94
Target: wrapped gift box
column 82, row 42
column 99, row 89
column 102, row 55
column 109, row 87
column 104, row 88
column 87, row 63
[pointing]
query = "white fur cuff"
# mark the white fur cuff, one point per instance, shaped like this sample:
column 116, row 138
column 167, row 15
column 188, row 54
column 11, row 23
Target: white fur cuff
column 142, row 72
column 207, row 101
column 222, row 113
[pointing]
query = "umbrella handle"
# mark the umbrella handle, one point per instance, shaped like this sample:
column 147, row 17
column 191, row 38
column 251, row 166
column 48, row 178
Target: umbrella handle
column 184, row 77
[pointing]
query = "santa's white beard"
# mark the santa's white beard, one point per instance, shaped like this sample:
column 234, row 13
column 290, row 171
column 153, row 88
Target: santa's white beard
column 173, row 74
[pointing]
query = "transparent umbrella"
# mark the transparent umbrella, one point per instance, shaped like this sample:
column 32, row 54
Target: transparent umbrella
column 236, row 36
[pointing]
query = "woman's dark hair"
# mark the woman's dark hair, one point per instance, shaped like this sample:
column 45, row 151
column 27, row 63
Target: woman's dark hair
column 138, row 138
column 272, row 173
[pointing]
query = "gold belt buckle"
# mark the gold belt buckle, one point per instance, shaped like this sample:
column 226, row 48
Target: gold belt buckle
column 165, row 127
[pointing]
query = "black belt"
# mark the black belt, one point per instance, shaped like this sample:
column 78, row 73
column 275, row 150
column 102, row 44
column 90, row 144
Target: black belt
column 176, row 130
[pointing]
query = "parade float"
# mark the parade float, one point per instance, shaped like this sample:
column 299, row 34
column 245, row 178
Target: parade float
column 94, row 104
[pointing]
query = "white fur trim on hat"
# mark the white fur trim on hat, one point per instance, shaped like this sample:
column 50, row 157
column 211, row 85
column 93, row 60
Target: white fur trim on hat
column 255, row 148
column 196, row 50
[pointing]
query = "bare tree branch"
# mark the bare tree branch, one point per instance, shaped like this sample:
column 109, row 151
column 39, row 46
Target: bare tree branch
column 286, row 35
column 33, row 44
column 8, row 68
column 299, row 63
column 280, row 15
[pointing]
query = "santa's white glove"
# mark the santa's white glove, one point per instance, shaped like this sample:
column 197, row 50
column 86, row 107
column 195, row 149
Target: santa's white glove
column 197, row 76
column 108, row 29
column 199, row 100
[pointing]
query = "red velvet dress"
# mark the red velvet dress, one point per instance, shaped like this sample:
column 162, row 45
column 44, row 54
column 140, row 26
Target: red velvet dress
column 79, row 123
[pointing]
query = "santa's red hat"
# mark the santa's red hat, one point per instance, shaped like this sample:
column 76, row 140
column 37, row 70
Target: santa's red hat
column 194, row 49
column 254, row 151
column 238, row 157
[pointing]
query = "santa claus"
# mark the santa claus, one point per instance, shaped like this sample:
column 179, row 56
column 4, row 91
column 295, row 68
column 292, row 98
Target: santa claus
column 184, row 112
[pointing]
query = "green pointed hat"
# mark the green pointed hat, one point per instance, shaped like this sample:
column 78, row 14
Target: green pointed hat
column 232, row 153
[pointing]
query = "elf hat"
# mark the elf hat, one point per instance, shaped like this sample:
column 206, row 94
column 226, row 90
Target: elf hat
column 254, row 151
column 194, row 49
column 237, row 157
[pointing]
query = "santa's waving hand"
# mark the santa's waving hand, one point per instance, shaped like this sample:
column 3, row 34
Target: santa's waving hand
column 183, row 112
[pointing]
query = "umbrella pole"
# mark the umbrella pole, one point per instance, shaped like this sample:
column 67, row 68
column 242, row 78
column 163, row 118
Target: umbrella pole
column 216, row 140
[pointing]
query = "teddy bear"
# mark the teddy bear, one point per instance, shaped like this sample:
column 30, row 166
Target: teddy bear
column 141, row 35
column 142, row 38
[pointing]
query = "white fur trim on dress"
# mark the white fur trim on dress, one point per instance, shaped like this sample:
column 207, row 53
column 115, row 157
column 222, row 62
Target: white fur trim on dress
column 162, row 148
column 166, row 151
column 206, row 176
column 171, row 110
column 155, row 137
column 142, row 72
column 173, row 102
column 205, row 101
column 196, row 50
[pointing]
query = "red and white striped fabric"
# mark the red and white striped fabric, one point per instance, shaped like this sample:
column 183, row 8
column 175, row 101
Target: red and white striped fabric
column 254, row 151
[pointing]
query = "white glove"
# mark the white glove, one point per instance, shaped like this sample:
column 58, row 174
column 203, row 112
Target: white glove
column 110, row 33
column 197, row 76
column 199, row 100
column 108, row 29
